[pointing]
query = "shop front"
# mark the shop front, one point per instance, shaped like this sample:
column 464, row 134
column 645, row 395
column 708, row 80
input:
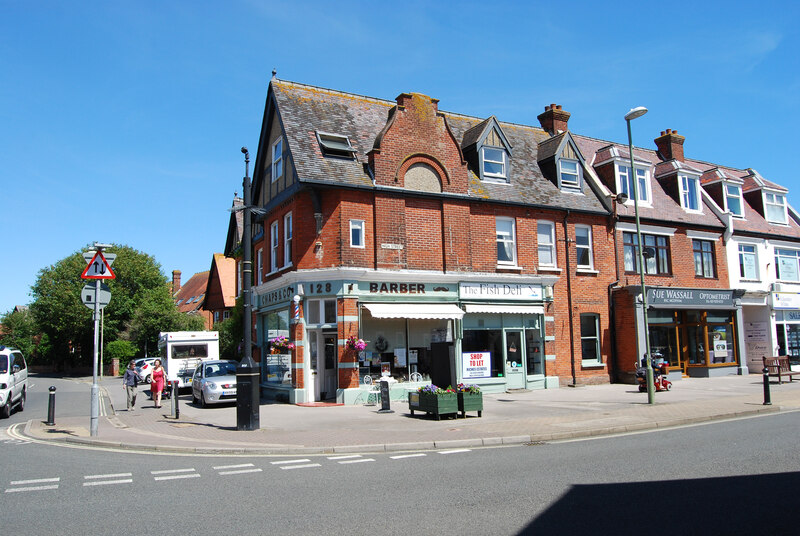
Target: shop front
column 786, row 310
column 696, row 331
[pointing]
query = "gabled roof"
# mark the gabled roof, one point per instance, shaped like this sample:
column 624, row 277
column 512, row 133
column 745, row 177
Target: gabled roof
column 190, row 296
column 235, row 226
column 223, row 274
column 305, row 109
column 481, row 130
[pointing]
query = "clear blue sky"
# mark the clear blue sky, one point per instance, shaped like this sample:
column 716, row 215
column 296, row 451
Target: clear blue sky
column 122, row 121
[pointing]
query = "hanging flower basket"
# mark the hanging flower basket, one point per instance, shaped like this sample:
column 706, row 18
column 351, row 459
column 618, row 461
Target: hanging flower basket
column 280, row 345
column 356, row 344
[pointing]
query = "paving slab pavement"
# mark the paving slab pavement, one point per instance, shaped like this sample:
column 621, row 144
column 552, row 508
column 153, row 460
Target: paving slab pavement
column 507, row 418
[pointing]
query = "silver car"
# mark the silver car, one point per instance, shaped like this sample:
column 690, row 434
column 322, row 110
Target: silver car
column 214, row 382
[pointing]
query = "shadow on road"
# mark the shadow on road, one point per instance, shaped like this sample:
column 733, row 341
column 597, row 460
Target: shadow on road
column 755, row 504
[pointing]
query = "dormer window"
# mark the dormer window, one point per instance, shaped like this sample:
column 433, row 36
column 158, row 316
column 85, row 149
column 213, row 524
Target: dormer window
column 335, row 145
column 495, row 161
column 626, row 183
column 774, row 208
column 733, row 200
column 689, row 192
column 569, row 174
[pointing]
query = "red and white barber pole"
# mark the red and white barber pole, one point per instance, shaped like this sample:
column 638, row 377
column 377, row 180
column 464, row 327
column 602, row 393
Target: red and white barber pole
column 296, row 307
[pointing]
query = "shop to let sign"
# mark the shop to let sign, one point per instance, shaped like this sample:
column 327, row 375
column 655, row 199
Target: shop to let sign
column 476, row 365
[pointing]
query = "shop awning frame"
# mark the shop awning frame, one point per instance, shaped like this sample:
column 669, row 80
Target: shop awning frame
column 449, row 311
column 505, row 309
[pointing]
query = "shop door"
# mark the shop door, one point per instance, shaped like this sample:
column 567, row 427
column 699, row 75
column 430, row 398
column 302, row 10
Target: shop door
column 328, row 371
column 515, row 370
column 313, row 382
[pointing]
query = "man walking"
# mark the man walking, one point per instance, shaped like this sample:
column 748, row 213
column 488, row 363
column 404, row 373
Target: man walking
column 131, row 382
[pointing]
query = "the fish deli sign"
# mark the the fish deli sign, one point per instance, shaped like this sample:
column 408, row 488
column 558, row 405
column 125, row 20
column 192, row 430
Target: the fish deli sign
column 476, row 365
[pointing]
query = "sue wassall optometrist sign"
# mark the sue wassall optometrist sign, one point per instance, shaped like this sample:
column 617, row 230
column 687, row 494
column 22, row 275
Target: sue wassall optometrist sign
column 476, row 365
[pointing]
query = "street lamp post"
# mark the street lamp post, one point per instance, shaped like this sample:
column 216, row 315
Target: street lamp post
column 248, row 372
column 630, row 116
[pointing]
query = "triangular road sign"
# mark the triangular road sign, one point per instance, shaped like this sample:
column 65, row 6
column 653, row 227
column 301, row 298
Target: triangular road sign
column 98, row 268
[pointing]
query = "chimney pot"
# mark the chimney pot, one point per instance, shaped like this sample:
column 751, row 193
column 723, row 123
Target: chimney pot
column 554, row 119
column 670, row 145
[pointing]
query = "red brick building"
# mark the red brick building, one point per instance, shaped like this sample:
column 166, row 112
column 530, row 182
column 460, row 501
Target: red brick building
column 459, row 248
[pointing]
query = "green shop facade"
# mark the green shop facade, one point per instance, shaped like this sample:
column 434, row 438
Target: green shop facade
column 420, row 328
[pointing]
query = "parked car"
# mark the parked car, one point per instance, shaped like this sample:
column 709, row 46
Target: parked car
column 214, row 382
column 13, row 380
column 144, row 368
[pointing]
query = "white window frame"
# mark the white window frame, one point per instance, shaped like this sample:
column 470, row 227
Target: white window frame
column 772, row 203
column 642, row 189
column 503, row 175
column 754, row 254
column 226, row 315
column 737, row 195
column 595, row 338
column 685, row 193
column 273, row 241
column 589, row 247
column 277, row 159
column 505, row 239
column 551, row 245
column 357, row 225
column 792, row 254
column 287, row 239
column 570, row 184
column 315, row 309
column 260, row 266
column 239, row 279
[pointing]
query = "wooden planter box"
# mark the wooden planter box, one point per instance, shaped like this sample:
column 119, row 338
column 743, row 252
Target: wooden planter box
column 437, row 405
column 470, row 402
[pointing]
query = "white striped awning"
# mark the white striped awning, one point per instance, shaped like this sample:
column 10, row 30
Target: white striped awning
column 507, row 309
column 415, row 310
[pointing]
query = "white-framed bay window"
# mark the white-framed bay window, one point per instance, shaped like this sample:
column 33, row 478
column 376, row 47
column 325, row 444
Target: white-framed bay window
column 748, row 261
column 689, row 192
column 287, row 239
column 590, row 340
column 733, row 200
column 495, row 162
column 787, row 264
column 506, row 241
column 569, row 174
column 625, row 182
column 274, row 242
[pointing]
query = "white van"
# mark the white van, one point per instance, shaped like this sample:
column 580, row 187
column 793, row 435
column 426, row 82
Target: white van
column 182, row 351
column 13, row 380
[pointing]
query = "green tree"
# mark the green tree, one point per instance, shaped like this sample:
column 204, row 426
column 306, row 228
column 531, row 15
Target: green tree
column 120, row 349
column 231, row 333
column 21, row 331
column 141, row 305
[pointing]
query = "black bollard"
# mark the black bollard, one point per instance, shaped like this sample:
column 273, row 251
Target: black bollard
column 51, row 407
column 767, row 398
column 176, row 410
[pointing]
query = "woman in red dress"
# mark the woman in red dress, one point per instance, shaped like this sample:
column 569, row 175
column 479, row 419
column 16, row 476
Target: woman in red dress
column 157, row 382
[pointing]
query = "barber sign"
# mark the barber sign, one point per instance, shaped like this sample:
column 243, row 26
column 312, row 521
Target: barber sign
column 476, row 365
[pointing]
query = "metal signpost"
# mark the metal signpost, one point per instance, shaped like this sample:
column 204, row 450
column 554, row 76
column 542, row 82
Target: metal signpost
column 96, row 297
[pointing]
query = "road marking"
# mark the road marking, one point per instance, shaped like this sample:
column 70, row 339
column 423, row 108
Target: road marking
column 239, row 466
column 107, row 482
column 168, row 471
column 402, row 456
column 174, row 474
column 175, row 477
column 305, row 466
column 304, row 460
column 240, row 471
column 358, row 461
column 115, row 475
column 454, row 451
column 349, row 456
column 36, row 481
column 33, row 488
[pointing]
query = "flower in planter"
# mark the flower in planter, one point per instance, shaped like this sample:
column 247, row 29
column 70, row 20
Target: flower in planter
column 281, row 343
column 468, row 388
column 355, row 344
column 432, row 389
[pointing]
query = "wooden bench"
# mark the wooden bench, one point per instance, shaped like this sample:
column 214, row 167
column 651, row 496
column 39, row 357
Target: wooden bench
column 779, row 366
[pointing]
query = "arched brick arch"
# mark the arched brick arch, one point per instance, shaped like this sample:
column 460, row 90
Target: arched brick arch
column 419, row 158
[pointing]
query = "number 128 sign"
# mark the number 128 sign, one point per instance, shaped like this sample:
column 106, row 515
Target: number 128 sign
column 476, row 364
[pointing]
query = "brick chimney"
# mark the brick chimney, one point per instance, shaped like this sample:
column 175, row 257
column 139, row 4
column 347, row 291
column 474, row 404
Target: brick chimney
column 176, row 281
column 554, row 119
column 670, row 145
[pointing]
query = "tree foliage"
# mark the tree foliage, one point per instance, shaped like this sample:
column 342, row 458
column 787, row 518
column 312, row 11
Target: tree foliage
column 231, row 333
column 141, row 306
column 21, row 332
column 120, row 349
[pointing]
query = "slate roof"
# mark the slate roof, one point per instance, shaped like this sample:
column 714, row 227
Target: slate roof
column 305, row 109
